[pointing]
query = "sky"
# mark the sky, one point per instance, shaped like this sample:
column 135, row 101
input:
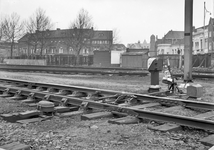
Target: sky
column 134, row 20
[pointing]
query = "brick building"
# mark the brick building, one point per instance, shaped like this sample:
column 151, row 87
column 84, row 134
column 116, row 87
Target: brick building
column 59, row 41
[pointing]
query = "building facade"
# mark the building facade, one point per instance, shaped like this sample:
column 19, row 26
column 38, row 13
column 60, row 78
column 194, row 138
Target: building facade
column 200, row 40
column 171, row 43
column 65, row 41
column 210, row 36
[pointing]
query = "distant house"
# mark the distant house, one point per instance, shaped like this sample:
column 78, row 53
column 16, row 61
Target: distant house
column 60, row 41
column 118, row 47
column 139, row 45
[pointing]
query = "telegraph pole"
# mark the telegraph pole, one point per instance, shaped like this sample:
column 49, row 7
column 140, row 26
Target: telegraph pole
column 188, row 40
column 204, row 27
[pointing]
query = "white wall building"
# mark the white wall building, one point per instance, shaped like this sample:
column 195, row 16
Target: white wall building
column 199, row 39
column 174, row 41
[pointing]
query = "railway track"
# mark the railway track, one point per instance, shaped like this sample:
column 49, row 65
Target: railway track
column 195, row 76
column 76, row 70
column 70, row 100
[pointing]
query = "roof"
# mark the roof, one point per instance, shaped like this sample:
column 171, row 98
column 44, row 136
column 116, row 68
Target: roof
column 179, row 42
column 62, row 33
column 135, row 53
column 138, row 45
column 174, row 35
column 118, row 47
column 102, row 35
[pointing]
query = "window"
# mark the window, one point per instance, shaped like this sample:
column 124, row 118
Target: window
column 196, row 45
column 70, row 50
column 162, row 51
column 60, row 50
column 85, row 51
column 172, row 51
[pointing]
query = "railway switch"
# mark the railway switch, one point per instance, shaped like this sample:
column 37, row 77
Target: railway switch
column 155, row 65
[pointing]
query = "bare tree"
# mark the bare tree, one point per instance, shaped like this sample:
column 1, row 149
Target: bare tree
column 12, row 29
column 116, row 38
column 81, row 32
column 37, row 26
column 1, row 31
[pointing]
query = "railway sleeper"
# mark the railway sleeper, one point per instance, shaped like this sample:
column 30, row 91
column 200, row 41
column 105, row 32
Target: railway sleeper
column 51, row 90
column 39, row 88
column 6, row 93
column 64, row 92
column 78, row 94
column 18, row 96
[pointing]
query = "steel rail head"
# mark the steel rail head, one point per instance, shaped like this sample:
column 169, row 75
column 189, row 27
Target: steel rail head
column 182, row 120
column 141, row 97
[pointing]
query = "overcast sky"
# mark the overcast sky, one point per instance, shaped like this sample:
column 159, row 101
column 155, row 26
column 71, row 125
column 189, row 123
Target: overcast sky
column 134, row 19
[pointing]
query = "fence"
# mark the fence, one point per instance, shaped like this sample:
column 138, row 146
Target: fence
column 202, row 60
column 55, row 60
column 199, row 60
column 68, row 60
column 173, row 59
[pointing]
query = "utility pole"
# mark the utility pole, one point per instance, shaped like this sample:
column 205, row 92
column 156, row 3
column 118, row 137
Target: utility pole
column 188, row 40
column 204, row 28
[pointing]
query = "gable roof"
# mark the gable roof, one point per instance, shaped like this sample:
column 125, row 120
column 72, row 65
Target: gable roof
column 174, row 35
column 101, row 35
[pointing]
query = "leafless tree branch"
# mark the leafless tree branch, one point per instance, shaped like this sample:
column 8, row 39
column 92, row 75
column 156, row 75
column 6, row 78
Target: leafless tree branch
column 12, row 29
column 81, row 32
column 37, row 25
column 116, row 38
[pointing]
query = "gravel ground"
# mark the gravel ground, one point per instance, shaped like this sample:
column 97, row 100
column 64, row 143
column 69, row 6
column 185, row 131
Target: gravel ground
column 73, row 134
